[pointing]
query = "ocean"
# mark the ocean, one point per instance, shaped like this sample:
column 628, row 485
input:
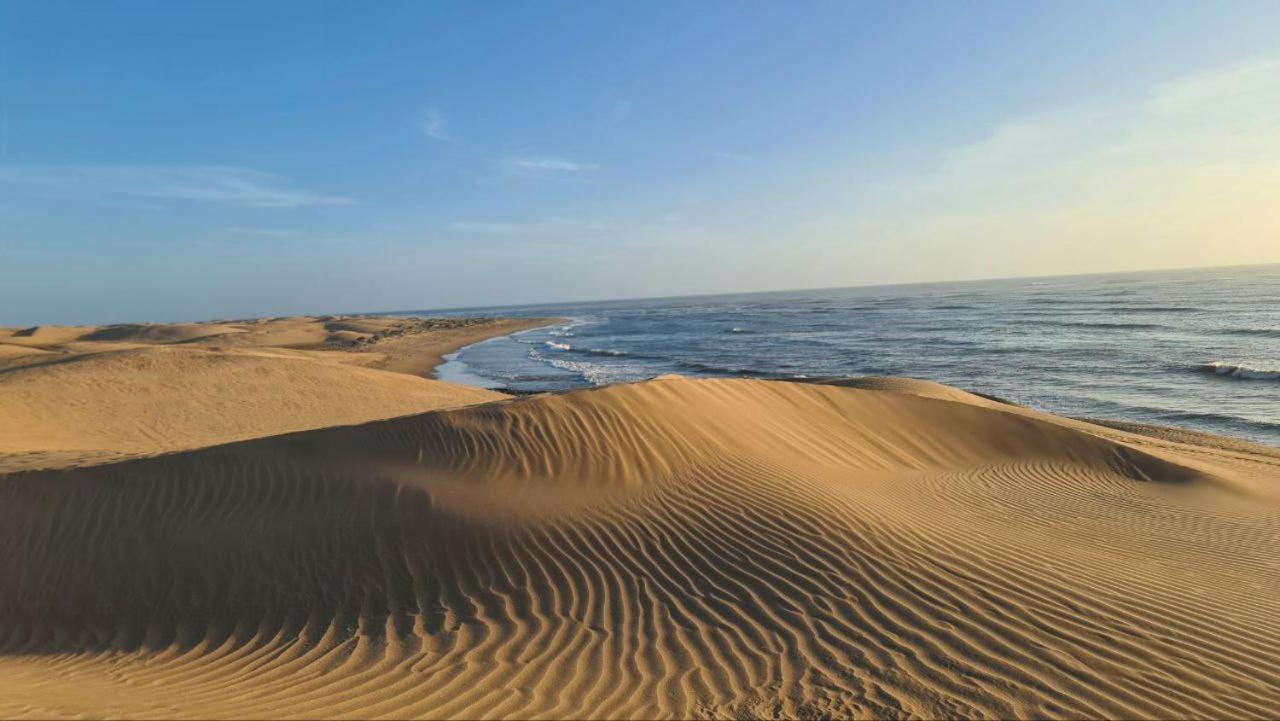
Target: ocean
column 1199, row 349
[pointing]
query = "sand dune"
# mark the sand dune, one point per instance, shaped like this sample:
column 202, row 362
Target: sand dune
column 909, row 386
column 44, row 333
column 388, row 336
column 166, row 333
column 667, row 549
column 91, row 394
column 141, row 401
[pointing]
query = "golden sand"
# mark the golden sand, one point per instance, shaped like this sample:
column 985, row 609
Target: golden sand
column 672, row 548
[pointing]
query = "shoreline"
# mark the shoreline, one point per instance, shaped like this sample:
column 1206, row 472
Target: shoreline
column 452, row 370
column 421, row 354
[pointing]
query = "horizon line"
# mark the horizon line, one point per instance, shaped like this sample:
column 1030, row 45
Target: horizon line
column 455, row 309
column 986, row 279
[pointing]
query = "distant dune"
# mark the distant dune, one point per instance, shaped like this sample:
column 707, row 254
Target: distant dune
column 76, row 395
column 174, row 398
column 175, row 333
column 673, row 548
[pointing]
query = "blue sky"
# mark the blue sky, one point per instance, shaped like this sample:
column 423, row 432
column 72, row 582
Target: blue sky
column 165, row 161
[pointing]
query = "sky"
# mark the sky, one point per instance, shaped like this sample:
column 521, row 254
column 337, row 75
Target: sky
column 166, row 161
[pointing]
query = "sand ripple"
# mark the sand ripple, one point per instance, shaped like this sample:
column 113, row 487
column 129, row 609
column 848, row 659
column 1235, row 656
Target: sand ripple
column 668, row 549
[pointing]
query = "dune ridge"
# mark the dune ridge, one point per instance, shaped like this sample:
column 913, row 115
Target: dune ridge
column 674, row 548
column 93, row 394
column 73, row 411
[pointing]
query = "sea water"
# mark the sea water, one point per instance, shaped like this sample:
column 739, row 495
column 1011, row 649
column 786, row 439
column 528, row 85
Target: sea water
column 1193, row 348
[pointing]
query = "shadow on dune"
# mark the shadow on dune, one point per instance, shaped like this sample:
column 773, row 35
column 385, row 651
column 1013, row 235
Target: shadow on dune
column 668, row 548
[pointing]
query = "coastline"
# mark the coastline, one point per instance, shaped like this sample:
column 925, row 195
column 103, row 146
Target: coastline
column 1157, row 349
column 421, row 354
column 452, row 370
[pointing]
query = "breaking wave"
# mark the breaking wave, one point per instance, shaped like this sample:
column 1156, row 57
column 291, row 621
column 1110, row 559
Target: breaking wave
column 1242, row 372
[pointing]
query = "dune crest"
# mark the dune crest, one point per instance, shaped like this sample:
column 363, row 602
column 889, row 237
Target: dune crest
column 110, row 405
column 92, row 394
column 672, row 548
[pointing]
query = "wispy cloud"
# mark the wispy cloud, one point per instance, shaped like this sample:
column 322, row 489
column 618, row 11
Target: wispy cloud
column 621, row 110
column 539, row 227
column 432, row 125
column 547, row 165
column 1180, row 130
column 724, row 155
column 215, row 184
column 264, row 232
column 1186, row 172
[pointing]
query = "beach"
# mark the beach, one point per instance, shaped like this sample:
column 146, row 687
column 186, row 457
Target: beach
column 291, row 518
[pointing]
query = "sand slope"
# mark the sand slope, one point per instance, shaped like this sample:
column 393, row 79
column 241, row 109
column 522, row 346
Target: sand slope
column 672, row 548
column 140, row 401
column 334, row 332
column 90, row 394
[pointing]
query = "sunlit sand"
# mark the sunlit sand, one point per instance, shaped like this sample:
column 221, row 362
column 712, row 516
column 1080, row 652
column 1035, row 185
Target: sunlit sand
column 199, row 523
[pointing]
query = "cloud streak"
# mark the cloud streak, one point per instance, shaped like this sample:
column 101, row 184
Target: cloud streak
column 263, row 232
column 1186, row 172
column 544, row 165
column 211, row 184
column 540, row 227
column 621, row 110
column 1180, row 129
column 432, row 125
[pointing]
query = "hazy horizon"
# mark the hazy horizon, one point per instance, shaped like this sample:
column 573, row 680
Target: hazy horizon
column 166, row 162
column 1135, row 271
column 625, row 299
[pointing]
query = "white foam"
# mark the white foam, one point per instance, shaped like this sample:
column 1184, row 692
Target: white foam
column 1241, row 371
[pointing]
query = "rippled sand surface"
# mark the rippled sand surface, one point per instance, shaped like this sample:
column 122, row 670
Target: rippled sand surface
column 672, row 548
